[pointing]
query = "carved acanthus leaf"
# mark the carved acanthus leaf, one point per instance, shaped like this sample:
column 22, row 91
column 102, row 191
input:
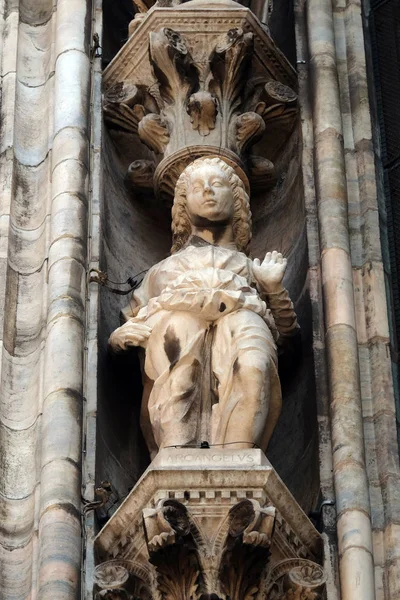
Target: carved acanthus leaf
column 172, row 550
column 125, row 104
column 229, row 61
column 202, row 109
column 121, row 116
column 177, row 573
column 153, row 131
column 165, row 523
column 123, row 92
column 172, row 64
column 246, row 549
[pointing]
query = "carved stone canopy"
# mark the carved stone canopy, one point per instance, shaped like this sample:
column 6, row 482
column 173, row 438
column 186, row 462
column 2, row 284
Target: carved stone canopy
column 209, row 525
column 200, row 79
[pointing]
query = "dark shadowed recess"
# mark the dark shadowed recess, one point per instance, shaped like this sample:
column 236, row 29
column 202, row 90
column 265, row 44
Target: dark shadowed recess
column 135, row 234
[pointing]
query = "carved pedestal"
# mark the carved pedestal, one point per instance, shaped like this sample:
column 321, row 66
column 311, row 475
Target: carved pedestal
column 207, row 524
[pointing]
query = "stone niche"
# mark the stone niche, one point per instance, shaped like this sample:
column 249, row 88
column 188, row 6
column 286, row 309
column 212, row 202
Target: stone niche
column 166, row 102
column 209, row 524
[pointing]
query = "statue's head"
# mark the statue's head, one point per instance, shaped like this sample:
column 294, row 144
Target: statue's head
column 207, row 194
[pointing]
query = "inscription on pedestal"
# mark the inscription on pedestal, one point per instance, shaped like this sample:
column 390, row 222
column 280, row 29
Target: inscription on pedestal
column 193, row 457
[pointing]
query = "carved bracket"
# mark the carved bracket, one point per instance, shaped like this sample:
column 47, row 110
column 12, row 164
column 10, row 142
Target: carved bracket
column 202, row 86
column 187, row 533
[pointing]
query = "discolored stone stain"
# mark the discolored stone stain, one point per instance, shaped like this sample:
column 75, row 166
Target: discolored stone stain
column 236, row 366
column 222, row 307
column 172, row 346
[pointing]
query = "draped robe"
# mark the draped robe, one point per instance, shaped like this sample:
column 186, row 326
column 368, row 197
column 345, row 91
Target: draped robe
column 210, row 369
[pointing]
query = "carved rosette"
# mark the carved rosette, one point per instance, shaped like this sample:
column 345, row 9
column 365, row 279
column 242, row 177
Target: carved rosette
column 296, row 579
column 120, row 580
column 203, row 97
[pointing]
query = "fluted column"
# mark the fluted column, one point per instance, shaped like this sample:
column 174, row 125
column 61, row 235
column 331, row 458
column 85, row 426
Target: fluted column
column 59, row 524
column 44, row 170
column 350, row 478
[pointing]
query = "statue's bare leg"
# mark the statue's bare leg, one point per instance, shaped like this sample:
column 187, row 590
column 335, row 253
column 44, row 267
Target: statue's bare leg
column 174, row 363
column 244, row 363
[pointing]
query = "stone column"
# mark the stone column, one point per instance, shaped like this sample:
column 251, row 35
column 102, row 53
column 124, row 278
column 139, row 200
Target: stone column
column 60, row 501
column 328, row 514
column 350, row 478
column 44, row 135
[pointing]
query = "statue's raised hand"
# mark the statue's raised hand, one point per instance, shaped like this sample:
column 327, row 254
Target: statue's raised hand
column 270, row 272
column 129, row 334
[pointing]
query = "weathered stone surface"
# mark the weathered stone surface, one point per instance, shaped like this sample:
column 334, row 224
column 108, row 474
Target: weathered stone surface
column 231, row 521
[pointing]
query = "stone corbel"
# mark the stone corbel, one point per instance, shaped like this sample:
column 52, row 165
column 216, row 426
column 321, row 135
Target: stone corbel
column 189, row 565
column 201, row 87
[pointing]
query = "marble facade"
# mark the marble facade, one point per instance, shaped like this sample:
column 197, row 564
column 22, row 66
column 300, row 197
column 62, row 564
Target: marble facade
column 57, row 164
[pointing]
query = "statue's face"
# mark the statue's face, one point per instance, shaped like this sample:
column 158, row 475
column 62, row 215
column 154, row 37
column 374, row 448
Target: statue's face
column 209, row 197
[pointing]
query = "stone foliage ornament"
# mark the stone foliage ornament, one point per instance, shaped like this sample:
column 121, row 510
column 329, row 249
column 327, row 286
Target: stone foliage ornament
column 209, row 319
column 201, row 525
column 212, row 83
column 190, row 565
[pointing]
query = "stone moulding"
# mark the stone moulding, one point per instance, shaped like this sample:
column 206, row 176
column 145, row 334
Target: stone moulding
column 221, row 532
column 194, row 80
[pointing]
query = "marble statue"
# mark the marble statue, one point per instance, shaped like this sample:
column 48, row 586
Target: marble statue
column 209, row 319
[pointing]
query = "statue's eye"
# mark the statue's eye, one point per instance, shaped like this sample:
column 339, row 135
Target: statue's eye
column 217, row 184
column 197, row 188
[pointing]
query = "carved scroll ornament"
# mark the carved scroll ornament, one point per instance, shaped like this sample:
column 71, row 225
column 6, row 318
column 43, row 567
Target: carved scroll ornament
column 192, row 564
column 296, row 579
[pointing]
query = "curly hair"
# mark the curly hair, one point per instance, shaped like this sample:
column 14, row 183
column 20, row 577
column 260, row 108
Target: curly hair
column 241, row 225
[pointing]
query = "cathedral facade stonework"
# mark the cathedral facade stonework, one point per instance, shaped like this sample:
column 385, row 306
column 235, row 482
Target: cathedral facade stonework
column 197, row 399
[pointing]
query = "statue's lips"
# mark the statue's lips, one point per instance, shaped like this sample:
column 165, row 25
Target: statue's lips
column 211, row 201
